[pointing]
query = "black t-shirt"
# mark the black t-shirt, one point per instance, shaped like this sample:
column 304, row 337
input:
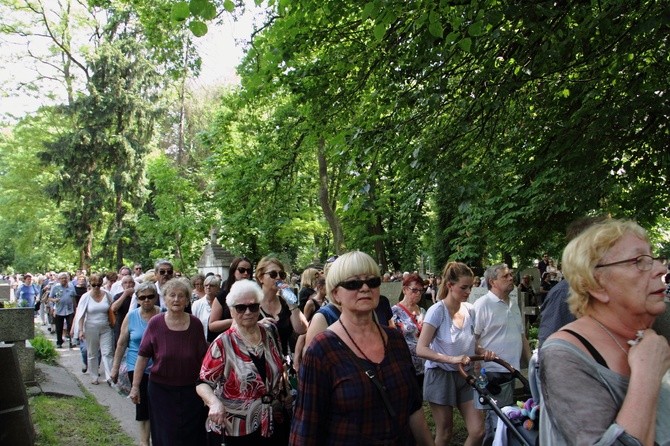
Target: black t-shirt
column 221, row 297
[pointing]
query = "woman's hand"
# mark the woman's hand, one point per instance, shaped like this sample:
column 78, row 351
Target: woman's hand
column 134, row 394
column 460, row 359
column 114, row 374
column 81, row 334
column 267, row 321
column 217, row 413
column 650, row 356
column 488, row 355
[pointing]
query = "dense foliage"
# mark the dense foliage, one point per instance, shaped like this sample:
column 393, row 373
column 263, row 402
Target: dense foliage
column 420, row 131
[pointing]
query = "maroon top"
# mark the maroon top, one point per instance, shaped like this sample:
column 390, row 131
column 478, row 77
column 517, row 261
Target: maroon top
column 177, row 355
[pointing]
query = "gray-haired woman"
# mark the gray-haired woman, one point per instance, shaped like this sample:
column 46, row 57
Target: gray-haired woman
column 130, row 335
column 175, row 342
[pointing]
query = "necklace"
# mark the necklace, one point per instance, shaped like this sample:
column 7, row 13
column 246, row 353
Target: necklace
column 610, row 335
column 356, row 345
column 251, row 345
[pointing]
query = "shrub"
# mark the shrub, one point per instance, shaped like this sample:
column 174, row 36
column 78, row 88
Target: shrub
column 44, row 349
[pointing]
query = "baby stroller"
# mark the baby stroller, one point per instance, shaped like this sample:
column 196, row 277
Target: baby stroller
column 518, row 433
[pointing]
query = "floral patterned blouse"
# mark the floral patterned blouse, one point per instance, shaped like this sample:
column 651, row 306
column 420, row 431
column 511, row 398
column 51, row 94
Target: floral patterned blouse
column 410, row 327
column 248, row 395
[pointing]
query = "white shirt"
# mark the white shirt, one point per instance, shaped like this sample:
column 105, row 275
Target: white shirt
column 499, row 326
column 201, row 309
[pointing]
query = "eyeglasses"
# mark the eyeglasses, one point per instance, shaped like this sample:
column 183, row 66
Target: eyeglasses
column 274, row 274
column 416, row 290
column 244, row 270
column 96, row 285
column 242, row 308
column 357, row 284
column 145, row 297
column 643, row 263
column 163, row 272
column 138, row 269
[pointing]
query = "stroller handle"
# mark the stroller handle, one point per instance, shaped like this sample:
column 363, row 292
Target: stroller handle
column 500, row 361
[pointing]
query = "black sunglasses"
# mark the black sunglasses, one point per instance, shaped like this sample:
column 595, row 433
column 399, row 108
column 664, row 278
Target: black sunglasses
column 244, row 270
column 274, row 274
column 242, row 308
column 148, row 296
column 357, row 284
column 163, row 272
column 96, row 284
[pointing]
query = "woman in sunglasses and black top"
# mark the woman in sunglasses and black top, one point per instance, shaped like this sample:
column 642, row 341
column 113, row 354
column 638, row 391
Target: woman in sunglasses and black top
column 220, row 318
column 357, row 383
column 241, row 376
column 288, row 318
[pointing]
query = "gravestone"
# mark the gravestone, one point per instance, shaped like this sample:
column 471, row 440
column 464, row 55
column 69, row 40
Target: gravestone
column 16, row 426
column 392, row 290
column 17, row 325
column 5, row 291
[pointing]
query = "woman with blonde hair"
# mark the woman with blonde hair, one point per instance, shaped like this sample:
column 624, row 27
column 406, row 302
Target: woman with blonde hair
column 613, row 359
column 357, row 383
column 447, row 340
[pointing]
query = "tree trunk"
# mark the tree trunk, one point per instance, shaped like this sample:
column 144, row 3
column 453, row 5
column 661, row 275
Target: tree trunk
column 328, row 211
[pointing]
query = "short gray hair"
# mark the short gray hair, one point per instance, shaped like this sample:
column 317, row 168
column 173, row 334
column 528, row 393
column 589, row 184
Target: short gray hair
column 243, row 288
column 491, row 273
column 212, row 280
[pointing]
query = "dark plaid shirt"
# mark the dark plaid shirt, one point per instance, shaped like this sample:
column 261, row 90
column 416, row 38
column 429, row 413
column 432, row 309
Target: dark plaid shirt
column 339, row 405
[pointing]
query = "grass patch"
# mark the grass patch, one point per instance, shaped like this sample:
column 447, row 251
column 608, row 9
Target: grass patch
column 65, row 421
column 44, row 349
column 460, row 431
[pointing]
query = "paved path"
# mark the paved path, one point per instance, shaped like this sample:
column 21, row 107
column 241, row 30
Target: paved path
column 67, row 379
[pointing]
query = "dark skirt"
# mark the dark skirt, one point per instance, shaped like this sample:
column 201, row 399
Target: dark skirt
column 142, row 409
column 177, row 416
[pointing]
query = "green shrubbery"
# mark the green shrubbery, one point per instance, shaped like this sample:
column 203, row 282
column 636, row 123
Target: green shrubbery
column 44, row 349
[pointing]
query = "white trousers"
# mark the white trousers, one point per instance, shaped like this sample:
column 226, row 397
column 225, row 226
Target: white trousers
column 102, row 338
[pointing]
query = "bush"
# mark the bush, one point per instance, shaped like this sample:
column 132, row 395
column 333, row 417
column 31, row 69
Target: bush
column 44, row 349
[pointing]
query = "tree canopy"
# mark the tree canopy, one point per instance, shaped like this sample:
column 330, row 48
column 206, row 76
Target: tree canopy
column 417, row 131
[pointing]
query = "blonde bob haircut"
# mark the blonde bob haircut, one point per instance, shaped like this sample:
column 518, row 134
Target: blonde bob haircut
column 585, row 251
column 354, row 263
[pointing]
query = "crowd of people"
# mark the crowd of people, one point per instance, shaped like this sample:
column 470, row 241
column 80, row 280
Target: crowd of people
column 240, row 362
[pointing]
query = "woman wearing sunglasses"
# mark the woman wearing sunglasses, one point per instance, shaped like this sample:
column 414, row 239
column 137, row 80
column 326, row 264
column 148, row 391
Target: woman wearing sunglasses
column 241, row 376
column 289, row 319
column 357, row 383
column 130, row 336
column 220, row 318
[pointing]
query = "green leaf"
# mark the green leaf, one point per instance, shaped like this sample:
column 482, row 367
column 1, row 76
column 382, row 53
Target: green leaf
column 180, row 11
column 198, row 28
column 369, row 11
column 435, row 29
column 451, row 37
column 228, row 5
column 465, row 44
column 196, row 6
column 209, row 11
column 476, row 29
column 379, row 31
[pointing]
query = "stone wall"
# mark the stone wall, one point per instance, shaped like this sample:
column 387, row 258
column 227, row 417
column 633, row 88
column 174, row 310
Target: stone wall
column 16, row 427
column 16, row 327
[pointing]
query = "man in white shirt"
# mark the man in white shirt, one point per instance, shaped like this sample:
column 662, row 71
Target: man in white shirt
column 117, row 287
column 499, row 327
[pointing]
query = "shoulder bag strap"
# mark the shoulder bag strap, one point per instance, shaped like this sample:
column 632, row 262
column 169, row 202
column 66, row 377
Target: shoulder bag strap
column 370, row 373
